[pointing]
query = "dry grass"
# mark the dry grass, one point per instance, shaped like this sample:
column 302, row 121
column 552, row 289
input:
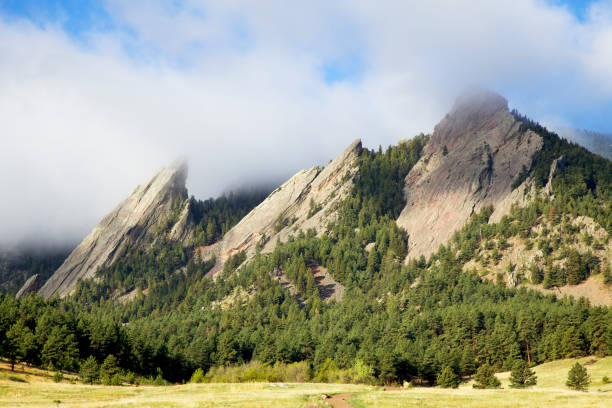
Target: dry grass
column 41, row 391
column 550, row 391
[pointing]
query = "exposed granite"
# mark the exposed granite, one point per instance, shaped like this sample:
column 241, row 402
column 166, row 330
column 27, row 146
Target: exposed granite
column 290, row 208
column 470, row 161
column 136, row 221
column 31, row 285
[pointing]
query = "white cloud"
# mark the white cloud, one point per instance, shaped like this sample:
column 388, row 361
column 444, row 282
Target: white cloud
column 237, row 87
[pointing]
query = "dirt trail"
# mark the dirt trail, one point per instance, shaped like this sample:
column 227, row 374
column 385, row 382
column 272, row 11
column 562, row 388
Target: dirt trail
column 339, row 401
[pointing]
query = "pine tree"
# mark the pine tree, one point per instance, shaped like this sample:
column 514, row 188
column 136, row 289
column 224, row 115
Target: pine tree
column 572, row 343
column 447, row 378
column 522, row 376
column 578, row 379
column 575, row 268
column 485, row 377
column 388, row 367
column 536, row 275
column 20, row 341
column 468, row 361
column 109, row 369
column 607, row 275
column 90, row 371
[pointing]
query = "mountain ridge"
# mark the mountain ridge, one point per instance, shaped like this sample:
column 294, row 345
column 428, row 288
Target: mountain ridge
column 163, row 309
column 474, row 159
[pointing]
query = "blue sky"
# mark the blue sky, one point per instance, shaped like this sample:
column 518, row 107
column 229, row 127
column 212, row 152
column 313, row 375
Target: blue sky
column 77, row 17
column 578, row 8
column 97, row 95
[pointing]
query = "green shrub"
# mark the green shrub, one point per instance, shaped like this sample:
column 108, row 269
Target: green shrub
column 327, row 372
column 255, row 371
column 130, row 377
column 197, row 376
column 447, row 378
column 485, row 377
column 159, row 380
column 58, row 376
column 116, row 379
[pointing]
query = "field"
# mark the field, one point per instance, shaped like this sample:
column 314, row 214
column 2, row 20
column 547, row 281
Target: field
column 39, row 390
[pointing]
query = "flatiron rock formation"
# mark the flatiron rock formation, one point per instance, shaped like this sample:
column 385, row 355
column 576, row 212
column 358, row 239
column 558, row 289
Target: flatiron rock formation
column 306, row 201
column 31, row 285
column 471, row 161
column 136, row 221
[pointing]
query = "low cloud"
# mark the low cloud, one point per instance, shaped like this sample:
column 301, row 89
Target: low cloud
column 241, row 90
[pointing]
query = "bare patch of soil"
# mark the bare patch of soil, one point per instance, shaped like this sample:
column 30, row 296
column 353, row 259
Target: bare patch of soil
column 329, row 289
column 593, row 289
column 339, row 401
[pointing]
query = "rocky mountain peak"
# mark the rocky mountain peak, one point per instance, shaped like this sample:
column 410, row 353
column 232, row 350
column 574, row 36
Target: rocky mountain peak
column 474, row 111
column 136, row 221
column 470, row 161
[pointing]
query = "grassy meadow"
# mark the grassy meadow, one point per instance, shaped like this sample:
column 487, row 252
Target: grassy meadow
column 28, row 387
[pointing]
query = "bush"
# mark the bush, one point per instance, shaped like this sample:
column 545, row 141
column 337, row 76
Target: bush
column 116, row 379
column 605, row 379
column 255, row 371
column 485, row 377
column 58, row 376
column 130, row 377
column 577, row 378
column 522, row 376
column 447, row 378
column 197, row 376
column 159, row 380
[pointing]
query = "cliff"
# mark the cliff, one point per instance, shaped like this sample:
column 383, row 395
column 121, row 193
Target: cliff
column 158, row 207
column 306, row 201
column 470, row 161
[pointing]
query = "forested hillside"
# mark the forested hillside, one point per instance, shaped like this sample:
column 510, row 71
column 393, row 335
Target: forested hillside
column 214, row 217
column 17, row 265
column 396, row 321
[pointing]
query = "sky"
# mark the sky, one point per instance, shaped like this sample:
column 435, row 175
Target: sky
column 96, row 96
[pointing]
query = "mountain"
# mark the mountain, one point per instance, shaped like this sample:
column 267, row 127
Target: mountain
column 384, row 266
column 158, row 208
column 471, row 161
column 306, row 201
column 480, row 155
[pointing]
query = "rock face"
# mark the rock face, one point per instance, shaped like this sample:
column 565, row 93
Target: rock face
column 305, row 201
column 471, row 161
column 31, row 285
column 158, row 207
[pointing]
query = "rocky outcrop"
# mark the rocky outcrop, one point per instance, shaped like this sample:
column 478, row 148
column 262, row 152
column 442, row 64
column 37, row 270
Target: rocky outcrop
column 158, row 207
column 306, row 201
column 31, row 285
column 471, row 161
